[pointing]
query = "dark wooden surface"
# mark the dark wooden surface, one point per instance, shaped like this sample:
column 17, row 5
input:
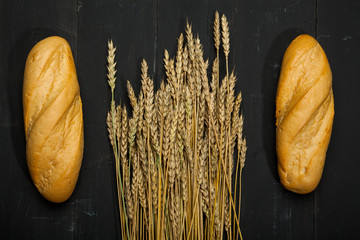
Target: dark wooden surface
column 260, row 31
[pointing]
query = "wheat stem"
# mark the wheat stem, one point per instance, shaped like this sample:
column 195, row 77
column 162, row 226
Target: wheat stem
column 111, row 81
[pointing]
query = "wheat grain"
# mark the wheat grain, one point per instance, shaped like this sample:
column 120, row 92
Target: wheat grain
column 190, row 42
column 217, row 31
column 201, row 120
column 221, row 116
column 184, row 185
column 148, row 91
column 198, row 60
column 110, row 130
column 221, row 101
column 179, row 62
column 154, row 183
column 111, row 65
column 141, row 115
column 157, row 104
column 177, row 211
column 124, row 138
column 236, row 123
column 150, row 113
column 118, row 129
column 141, row 187
column 191, row 64
column 154, row 131
column 185, row 60
column 133, row 123
column 173, row 213
column 243, row 154
column 167, row 125
column 160, row 104
column 227, row 216
column 125, row 163
column 205, row 80
column 132, row 153
column 225, row 34
column 239, row 133
column 180, row 132
column 215, row 77
column 230, row 99
column 214, row 158
column 170, row 73
column 132, row 96
column 140, row 142
column 167, row 65
column 135, row 177
column 203, row 175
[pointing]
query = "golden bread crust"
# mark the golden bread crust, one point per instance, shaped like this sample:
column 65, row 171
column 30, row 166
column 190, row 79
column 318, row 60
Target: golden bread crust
column 53, row 119
column 304, row 114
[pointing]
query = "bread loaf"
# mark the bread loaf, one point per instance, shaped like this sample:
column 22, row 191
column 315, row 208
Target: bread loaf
column 53, row 119
column 304, row 114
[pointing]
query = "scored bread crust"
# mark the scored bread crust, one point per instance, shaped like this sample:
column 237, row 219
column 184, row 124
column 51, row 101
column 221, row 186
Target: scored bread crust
column 53, row 119
column 304, row 114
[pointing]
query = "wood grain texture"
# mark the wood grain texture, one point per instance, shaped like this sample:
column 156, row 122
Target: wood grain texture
column 260, row 32
column 337, row 211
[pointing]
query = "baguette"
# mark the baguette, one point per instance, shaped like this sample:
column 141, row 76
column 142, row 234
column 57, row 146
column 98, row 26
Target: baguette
column 53, row 119
column 304, row 115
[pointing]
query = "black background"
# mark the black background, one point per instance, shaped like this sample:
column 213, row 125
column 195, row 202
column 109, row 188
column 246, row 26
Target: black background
column 260, row 31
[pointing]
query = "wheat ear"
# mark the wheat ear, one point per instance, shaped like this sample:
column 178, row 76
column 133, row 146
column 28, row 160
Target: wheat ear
column 111, row 80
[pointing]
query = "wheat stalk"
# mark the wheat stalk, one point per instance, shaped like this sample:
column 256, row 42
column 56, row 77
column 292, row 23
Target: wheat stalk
column 111, row 81
column 175, row 156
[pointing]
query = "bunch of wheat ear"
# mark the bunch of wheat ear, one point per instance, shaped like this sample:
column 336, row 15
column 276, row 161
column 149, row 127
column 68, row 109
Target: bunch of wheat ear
column 174, row 157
